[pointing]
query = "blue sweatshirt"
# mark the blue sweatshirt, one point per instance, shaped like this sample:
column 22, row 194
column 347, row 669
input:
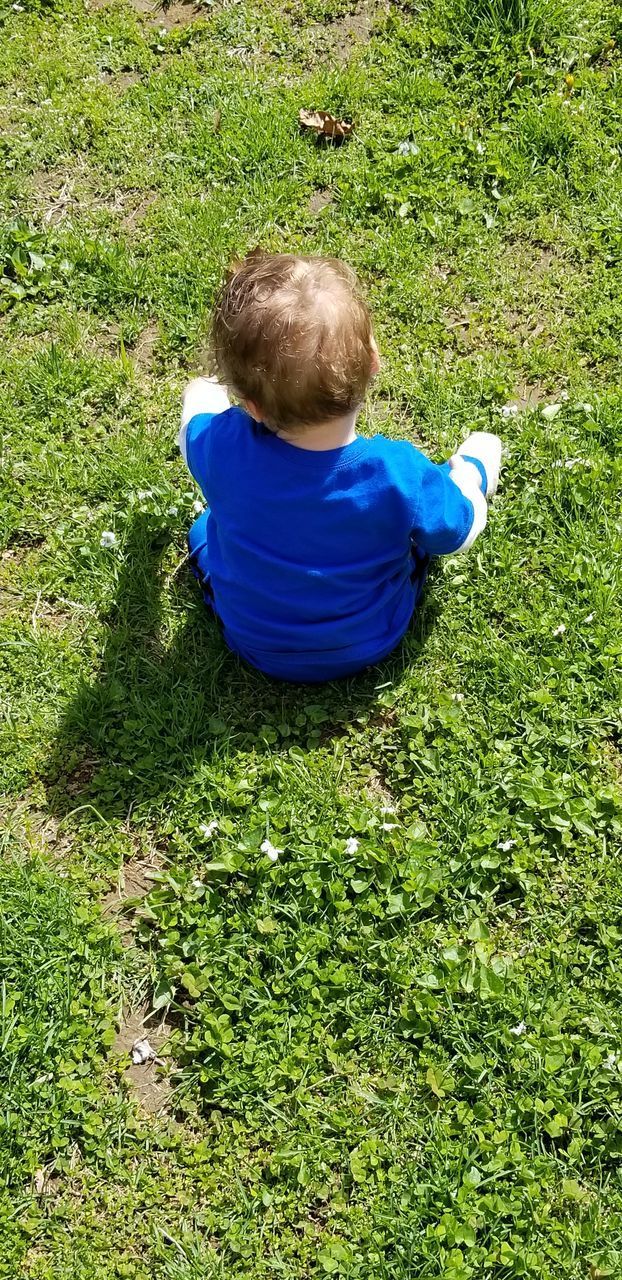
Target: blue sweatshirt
column 309, row 555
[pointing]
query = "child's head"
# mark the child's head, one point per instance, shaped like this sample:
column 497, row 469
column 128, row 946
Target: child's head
column 292, row 337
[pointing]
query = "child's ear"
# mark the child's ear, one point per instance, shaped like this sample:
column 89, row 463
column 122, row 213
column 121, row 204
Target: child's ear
column 375, row 358
column 253, row 410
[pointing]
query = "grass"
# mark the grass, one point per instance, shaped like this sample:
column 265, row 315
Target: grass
column 397, row 1051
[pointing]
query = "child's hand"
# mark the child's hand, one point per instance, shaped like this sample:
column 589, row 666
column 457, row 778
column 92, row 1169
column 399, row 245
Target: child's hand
column 485, row 447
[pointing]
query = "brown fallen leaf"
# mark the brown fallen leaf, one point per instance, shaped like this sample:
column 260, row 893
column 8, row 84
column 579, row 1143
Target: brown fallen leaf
column 325, row 125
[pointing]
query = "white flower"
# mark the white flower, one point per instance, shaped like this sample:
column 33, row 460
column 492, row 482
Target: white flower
column 457, row 697
column 388, row 808
column 551, row 411
column 479, row 147
column 143, row 494
column 196, row 883
column 508, row 410
column 559, row 631
column 564, row 395
column 506, row 845
column 388, row 826
column 408, row 148
column 587, row 408
column 207, row 829
column 198, row 508
column 171, row 511
column 352, row 845
column 108, row 539
column 270, row 851
column 612, row 1060
column 519, row 1029
column 590, row 617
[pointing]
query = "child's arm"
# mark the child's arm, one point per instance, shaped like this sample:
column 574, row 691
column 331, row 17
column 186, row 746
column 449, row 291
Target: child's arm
column 484, row 449
column 452, row 509
column 203, row 399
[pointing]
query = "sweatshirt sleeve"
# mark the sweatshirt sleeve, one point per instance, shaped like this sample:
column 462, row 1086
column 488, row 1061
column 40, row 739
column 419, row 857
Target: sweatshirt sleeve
column 451, row 509
column 204, row 399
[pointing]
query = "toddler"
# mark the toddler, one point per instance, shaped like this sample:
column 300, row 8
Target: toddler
column 315, row 547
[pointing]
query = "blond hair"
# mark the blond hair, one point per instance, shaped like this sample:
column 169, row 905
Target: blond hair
column 293, row 336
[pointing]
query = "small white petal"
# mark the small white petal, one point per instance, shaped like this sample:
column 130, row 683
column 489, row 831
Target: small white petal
column 196, row 883
column 508, row 410
column 207, row 829
column 559, row 631
column 108, row 539
column 518, row 1030
column 352, row 845
column 388, row 826
column 198, row 508
column 270, row 851
column 612, row 1060
column 171, row 511
column 479, row 147
column 506, row 845
column 590, row 618
column 457, row 697
column 143, row 494
column 551, row 411
column 587, row 408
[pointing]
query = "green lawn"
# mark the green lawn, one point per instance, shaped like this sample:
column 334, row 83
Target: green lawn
column 395, row 1051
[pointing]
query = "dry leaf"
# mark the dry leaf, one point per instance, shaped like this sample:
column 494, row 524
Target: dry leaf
column 325, row 125
column 39, row 1181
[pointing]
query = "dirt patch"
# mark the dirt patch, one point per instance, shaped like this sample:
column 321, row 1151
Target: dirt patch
column 178, row 15
column 530, row 395
column 54, row 191
column 461, row 324
column 34, row 828
column 168, row 17
column 142, row 206
column 143, row 350
column 121, row 80
column 10, row 602
column 136, row 879
column 146, row 1081
column 320, row 200
column 49, row 616
column 61, row 193
column 80, row 778
column 380, row 794
column 341, row 35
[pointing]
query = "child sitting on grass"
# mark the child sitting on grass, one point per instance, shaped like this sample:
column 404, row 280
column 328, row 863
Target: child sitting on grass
column 315, row 548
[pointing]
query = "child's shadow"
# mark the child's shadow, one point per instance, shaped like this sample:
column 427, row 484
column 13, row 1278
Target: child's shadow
column 157, row 711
